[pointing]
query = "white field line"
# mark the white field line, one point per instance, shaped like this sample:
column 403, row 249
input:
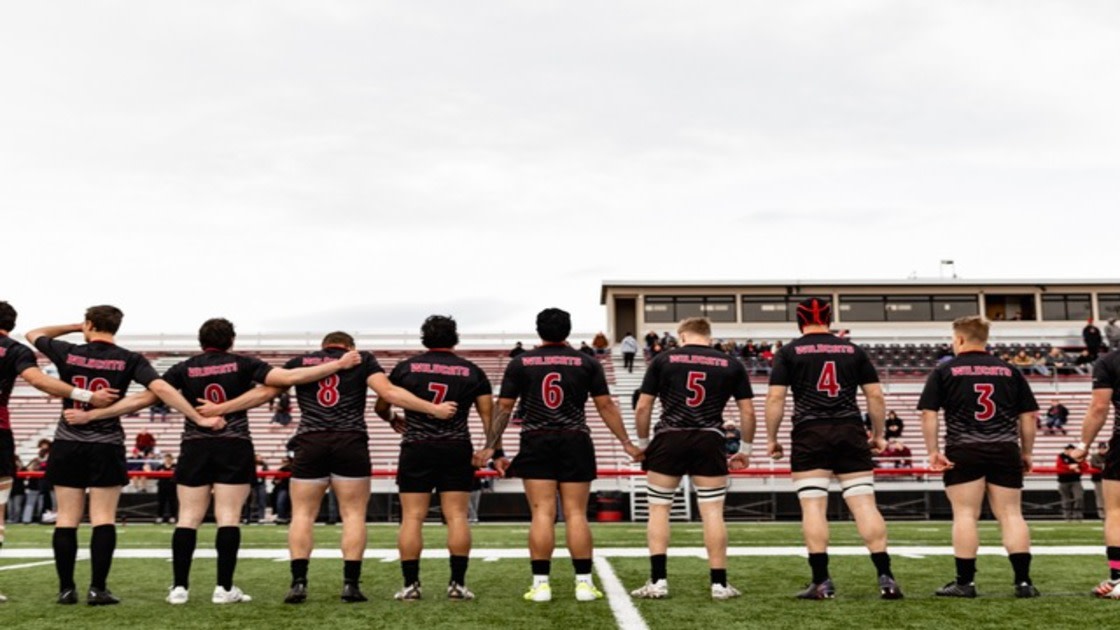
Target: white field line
column 29, row 565
column 391, row 555
column 625, row 613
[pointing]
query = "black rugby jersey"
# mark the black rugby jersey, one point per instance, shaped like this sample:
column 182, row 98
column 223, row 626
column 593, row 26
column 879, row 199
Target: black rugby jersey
column 982, row 397
column 553, row 383
column 14, row 359
column 440, row 376
column 338, row 402
column 694, row 383
column 95, row 366
column 1106, row 375
column 217, row 376
column 825, row 372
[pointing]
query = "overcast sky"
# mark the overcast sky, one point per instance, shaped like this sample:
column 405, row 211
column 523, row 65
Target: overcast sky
column 316, row 165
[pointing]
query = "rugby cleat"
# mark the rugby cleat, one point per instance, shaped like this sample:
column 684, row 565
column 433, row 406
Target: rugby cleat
column 1108, row 589
column 586, row 592
column 3, row 598
column 888, row 588
column 1025, row 590
column 952, row 589
column 458, row 592
column 68, row 596
column 824, row 590
column 101, row 597
column 351, row 594
column 539, row 593
column 232, row 596
column 178, row 596
column 408, row 593
column 721, row 592
column 297, row 594
column 652, row 590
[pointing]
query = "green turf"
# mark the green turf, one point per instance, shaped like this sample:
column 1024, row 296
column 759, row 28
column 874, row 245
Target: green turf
column 768, row 583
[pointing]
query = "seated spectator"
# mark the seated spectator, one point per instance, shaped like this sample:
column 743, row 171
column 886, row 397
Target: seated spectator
column 1040, row 364
column 1056, row 417
column 160, row 409
column 668, row 341
column 145, row 443
column 1022, row 361
column 897, row 454
column 517, row 350
column 600, row 343
column 586, row 349
column 1057, row 361
column 893, row 426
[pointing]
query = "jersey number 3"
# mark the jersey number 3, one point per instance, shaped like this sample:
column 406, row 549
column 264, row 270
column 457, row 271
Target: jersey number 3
column 828, row 382
column 984, row 399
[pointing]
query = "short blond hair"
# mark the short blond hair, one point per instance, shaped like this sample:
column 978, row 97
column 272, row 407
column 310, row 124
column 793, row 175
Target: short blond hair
column 695, row 326
column 974, row 328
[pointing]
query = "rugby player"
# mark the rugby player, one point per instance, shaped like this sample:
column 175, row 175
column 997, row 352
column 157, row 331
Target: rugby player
column 694, row 383
column 17, row 359
column 220, row 462
column 828, row 439
column 437, row 454
column 1106, row 392
column 556, row 454
column 92, row 454
column 989, row 411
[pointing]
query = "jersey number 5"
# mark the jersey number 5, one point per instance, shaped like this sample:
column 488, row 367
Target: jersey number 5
column 696, row 391
column 828, row 382
column 551, row 392
column 984, row 399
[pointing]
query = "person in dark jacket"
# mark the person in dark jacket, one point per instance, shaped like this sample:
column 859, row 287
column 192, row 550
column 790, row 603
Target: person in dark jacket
column 1091, row 335
column 1069, row 485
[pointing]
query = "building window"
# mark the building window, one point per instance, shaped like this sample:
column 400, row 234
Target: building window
column 862, row 308
column 1109, row 305
column 660, row 310
column 1066, row 307
column 769, row 308
column 946, row 308
column 905, row 308
column 669, row 309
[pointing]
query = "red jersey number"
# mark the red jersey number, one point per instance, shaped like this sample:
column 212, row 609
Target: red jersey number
column 328, row 391
column 551, row 392
column 984, row 393
column 696, row 391
column 214, row 393
column 828, row 382
column 439, row 390
column 82, row 382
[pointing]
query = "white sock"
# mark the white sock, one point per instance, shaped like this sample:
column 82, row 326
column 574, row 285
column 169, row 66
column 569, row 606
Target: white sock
column 540, row 579
column 586, row 578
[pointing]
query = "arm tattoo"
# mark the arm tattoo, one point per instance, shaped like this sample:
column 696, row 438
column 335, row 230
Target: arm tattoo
column 498, row 423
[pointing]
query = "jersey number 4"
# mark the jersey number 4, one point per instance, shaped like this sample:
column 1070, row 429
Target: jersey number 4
column 984, row 393
column 828, row 382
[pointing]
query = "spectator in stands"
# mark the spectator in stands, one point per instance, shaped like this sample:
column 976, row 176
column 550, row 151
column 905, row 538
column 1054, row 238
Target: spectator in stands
column 1069, row 485
column 1096, row 467
column 517, row 350
column 897, row 454
column 1056, row 417
column 1083, row 361
column 160, row 409
column 33, row 504
column 1023, row 361
column 166, row 492
column 629, row 348
column 668, row 341
column 18, row 493
column 258, row 496
column 733, row 438
column 654, row 350
column 283, row 414
column 1112, row 333
column 1040, row 364
column 586, row 349
column 600, row 343
column 1091, row 335
column 651, row 339
column 1057, row 361
column 749, row 350
column 281, row 494
column 892, row 426
column 145, row 443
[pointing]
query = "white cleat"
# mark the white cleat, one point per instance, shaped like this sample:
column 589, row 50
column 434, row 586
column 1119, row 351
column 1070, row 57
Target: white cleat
column 652, row 590
column 721, row 592
column 178, row 596
column 586, row 592
column 1108, row 589
column 408, row 593
column 539, row 593
column 232, row 596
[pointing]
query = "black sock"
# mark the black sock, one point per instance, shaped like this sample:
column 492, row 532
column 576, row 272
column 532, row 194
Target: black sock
column 459, row 569
column 351, row 571
column 882, row 562
column 65, row 543
column 183, row 542
column 582, row 566
column 410, row 569
column 541, row 567
column 102, row 544
column 1021, row 565
column 818, row 562
column 1113, row 562
column 299, row 570
column 658, row 567
column 966, row 570
column 719, row 576
column 227, row 543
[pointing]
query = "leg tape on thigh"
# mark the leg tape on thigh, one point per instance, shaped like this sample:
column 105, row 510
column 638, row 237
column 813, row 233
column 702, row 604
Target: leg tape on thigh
column 4, row 495
column 858, row 486
column 811, row 488
column 659, row 495
column 706, row 495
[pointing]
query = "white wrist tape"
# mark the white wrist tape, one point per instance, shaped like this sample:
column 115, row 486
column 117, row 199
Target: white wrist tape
column 81, row 395
column 643, row 442
column 1081, row 446
column 746, row 449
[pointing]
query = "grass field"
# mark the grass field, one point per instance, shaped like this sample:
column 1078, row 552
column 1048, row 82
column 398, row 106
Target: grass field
column 768, row 582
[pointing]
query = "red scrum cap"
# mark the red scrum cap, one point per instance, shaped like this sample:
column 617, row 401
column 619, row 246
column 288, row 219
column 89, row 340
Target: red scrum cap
column 814, row 312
